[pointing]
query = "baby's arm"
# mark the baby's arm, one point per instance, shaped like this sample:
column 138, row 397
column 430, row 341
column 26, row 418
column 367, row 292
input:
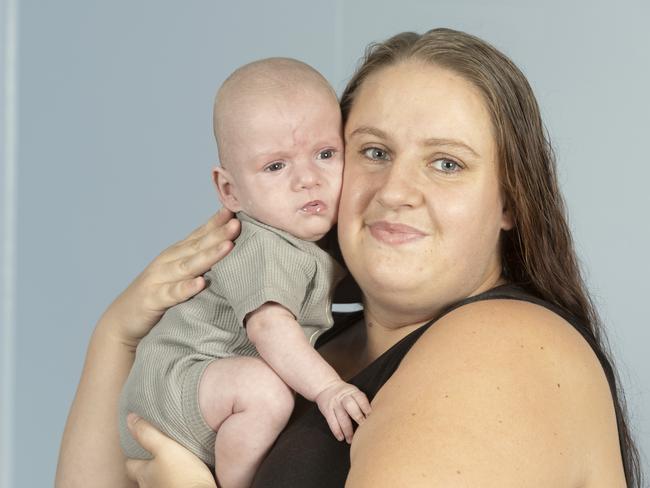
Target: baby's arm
column 282, row 344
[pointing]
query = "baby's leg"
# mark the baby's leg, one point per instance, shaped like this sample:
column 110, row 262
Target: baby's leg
column 247, row 404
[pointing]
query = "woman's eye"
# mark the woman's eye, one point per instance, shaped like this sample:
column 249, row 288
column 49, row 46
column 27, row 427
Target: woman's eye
column 326, row 154
column 277, row 166
column 446, row 165
column 375, row 153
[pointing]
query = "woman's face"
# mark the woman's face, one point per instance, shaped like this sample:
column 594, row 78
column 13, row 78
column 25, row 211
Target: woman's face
column 421, row 209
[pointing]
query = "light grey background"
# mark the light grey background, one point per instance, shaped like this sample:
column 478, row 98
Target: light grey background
column 115, row 150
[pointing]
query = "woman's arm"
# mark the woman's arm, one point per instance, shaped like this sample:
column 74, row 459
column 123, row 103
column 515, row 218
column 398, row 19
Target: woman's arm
column 90, row 453
column 497, row 394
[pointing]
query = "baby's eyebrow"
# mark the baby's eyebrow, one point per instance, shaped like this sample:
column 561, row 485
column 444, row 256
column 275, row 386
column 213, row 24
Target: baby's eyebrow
column 268, row 154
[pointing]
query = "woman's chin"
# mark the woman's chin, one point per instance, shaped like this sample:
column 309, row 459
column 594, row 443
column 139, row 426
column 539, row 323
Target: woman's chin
column 394, row 284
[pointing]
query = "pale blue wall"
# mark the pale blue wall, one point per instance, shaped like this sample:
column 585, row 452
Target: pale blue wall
column 115, row 149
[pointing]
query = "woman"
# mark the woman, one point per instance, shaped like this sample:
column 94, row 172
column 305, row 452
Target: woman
column 479, row 346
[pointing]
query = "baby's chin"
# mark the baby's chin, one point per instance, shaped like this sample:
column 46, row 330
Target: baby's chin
column 314, row 236
column 312, row 229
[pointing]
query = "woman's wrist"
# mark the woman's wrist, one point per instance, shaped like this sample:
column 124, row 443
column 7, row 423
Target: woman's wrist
column 127, row 318
column 111, row 326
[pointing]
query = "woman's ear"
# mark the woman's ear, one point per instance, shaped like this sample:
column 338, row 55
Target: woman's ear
column 225, row 186
column 507, row 219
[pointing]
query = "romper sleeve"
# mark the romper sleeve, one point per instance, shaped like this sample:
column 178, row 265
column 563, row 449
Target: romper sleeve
column 264, row 268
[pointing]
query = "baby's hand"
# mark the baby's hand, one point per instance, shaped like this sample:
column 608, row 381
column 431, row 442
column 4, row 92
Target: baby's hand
column 340, row 401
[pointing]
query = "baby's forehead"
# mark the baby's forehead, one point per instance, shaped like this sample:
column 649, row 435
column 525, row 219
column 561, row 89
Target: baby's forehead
column 254, row 93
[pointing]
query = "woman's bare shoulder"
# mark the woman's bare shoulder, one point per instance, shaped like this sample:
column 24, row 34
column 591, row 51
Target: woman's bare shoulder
column 496, row 393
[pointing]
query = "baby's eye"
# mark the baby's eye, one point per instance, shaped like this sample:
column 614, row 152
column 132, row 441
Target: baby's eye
column 326, row 154
column 446, row 165
column 277, row 166
column 375, row 153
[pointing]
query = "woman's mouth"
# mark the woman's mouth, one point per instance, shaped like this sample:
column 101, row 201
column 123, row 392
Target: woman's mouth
column 314, row 207
column 394, row 233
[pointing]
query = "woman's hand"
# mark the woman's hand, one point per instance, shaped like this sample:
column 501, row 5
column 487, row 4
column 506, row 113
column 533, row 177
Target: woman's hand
column 89, row 459
column 172, row 277
column 172, row 465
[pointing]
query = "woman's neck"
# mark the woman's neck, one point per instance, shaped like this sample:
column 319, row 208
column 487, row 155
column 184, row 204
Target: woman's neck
column 384, row 328
column 387, row 325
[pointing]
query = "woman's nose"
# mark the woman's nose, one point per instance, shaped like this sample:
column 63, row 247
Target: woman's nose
column 398, row 187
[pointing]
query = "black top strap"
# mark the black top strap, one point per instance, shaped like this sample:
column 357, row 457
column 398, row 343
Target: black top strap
column 306, row 454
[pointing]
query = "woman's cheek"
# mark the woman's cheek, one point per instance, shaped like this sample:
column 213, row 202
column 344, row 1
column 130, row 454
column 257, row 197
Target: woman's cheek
column 358, row 187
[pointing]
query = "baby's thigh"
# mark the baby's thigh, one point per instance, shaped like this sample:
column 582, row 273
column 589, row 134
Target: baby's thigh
column 243, row 385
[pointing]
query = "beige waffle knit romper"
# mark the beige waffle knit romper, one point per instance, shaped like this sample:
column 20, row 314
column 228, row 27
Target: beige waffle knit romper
column 266, row 265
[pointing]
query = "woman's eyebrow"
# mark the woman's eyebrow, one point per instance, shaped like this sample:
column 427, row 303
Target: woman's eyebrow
column 368, row 130
column 437, row 141
column 432, row 141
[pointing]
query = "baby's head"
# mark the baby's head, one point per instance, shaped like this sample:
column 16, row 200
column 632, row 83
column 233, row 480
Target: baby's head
column 278, row 128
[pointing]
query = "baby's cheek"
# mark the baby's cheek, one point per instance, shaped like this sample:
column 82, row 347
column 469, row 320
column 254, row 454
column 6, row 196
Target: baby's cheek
column 254, row 206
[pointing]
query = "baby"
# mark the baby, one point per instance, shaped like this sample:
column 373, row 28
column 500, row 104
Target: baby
column 213, row 373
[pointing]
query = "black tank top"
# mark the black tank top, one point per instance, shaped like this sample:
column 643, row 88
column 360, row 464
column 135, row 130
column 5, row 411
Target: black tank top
column 306, row 454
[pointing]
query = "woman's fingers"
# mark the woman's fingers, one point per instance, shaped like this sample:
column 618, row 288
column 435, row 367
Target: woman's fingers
column 135, row 468
column 180, row 291
column 145, row 434
column 199, row 262
column 181, row 278
column 172, row 465
column 184, row 276
column 207, row 238
column 220, row 218
column 173, row 277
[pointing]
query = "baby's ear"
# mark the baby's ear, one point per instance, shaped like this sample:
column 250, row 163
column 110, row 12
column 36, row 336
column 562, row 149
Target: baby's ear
column 225, row 186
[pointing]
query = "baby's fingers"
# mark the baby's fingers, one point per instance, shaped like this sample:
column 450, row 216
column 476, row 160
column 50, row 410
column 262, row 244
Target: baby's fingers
column 362, row 401
column 353, row 409
column 344, row 422
column 333, row 424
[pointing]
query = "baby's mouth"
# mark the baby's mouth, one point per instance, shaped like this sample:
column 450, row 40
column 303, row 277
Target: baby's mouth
column 314, row 207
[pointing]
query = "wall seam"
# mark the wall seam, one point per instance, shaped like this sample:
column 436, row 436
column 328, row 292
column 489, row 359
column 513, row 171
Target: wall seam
column 338, row 45
column 9, row 245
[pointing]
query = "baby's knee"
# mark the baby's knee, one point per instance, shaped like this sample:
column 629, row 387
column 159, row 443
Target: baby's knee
column 273, row 396
column 244, row 384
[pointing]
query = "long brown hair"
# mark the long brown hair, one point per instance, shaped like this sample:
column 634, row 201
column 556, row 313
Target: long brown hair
column 538, row 252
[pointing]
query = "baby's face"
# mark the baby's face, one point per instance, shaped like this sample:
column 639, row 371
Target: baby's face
column 286, row 163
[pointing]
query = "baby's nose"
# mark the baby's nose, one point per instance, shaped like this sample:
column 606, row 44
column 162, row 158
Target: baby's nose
column 306, row 178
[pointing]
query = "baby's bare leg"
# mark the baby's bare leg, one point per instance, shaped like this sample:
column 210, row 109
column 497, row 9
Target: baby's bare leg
column 247, row 405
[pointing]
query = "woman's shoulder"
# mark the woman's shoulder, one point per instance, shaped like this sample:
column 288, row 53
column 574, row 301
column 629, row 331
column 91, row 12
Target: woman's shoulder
column 496, row 386
column 508, row 329
column 511, row 341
